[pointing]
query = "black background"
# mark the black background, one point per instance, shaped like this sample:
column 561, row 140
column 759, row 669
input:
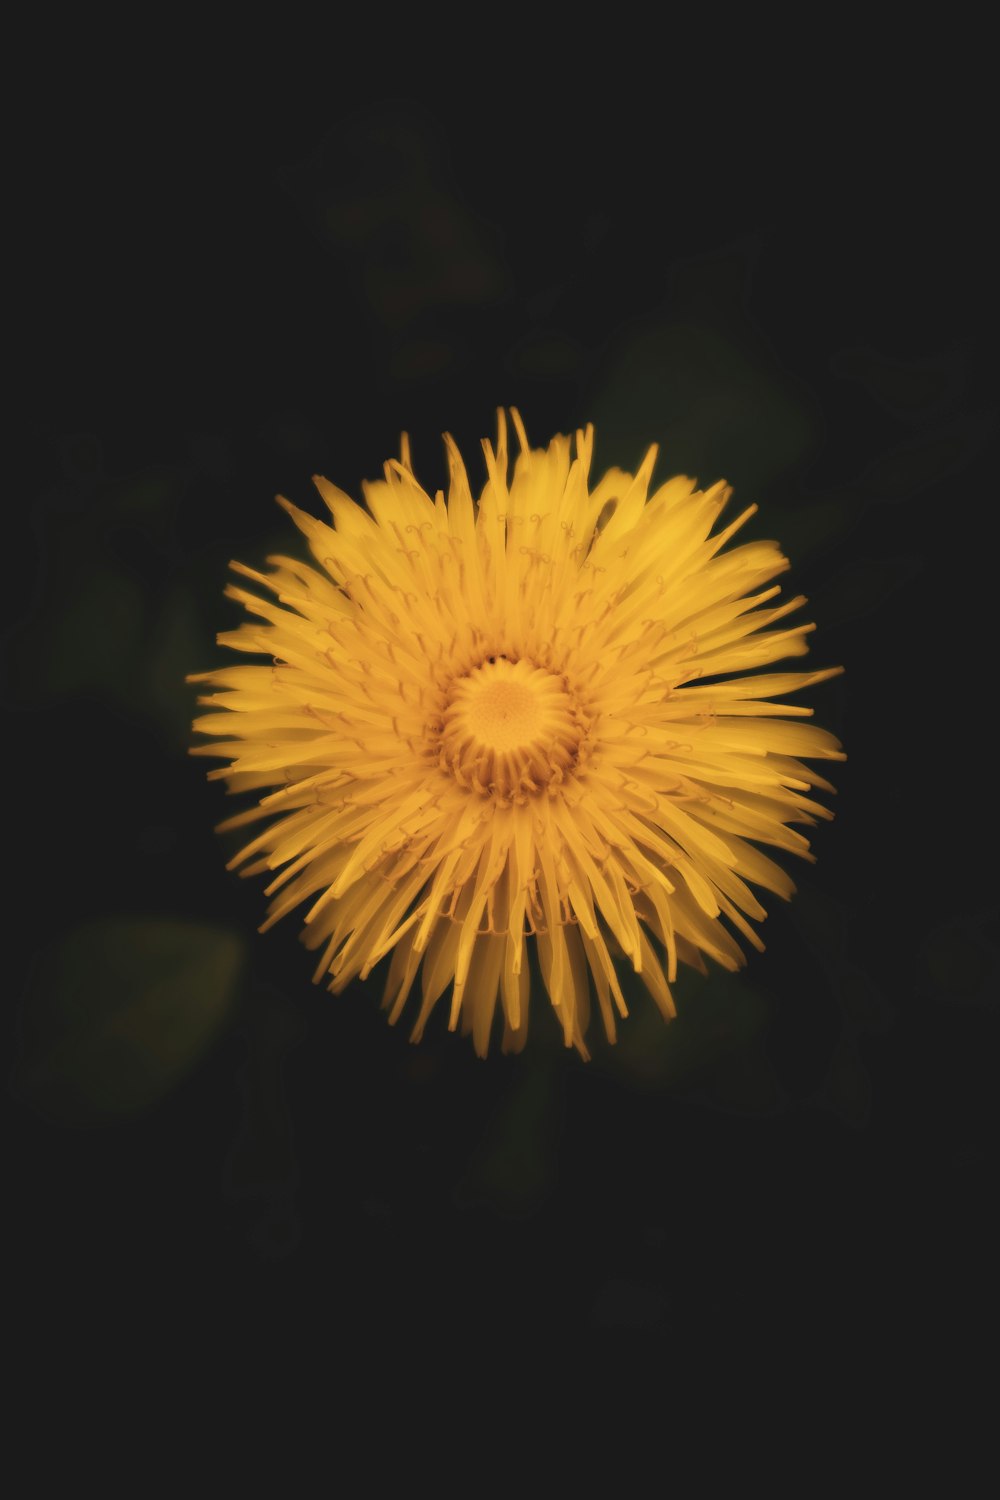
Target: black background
column 222, row 298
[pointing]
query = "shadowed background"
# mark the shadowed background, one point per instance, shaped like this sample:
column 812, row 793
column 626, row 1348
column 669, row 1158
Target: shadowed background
column 246, row 303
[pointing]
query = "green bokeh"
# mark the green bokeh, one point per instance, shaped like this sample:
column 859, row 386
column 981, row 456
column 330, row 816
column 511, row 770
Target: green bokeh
column 120, row 1011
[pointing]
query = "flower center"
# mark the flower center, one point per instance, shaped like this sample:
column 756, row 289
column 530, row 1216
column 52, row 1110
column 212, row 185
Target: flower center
column 510, row 729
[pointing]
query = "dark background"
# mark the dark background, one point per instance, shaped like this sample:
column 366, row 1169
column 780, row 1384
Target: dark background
column 222, row 299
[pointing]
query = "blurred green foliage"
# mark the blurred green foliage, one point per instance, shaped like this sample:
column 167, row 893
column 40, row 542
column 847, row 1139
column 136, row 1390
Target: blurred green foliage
column 116, row 616
column 513, row 1166
column 717, row 411
column 712, row 1049
column 959, row 960
column 119, row 1011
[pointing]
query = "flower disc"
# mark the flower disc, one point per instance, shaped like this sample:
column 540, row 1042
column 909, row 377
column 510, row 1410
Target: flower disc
column 511, row 730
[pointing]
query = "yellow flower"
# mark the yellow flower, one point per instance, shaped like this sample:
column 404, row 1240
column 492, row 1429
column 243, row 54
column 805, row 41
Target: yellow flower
column 530, row 722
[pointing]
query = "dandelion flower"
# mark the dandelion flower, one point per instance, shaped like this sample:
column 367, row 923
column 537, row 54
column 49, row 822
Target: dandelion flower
column 532, row 722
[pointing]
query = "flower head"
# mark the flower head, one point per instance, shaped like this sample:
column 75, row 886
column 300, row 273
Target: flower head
column 535, row 721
